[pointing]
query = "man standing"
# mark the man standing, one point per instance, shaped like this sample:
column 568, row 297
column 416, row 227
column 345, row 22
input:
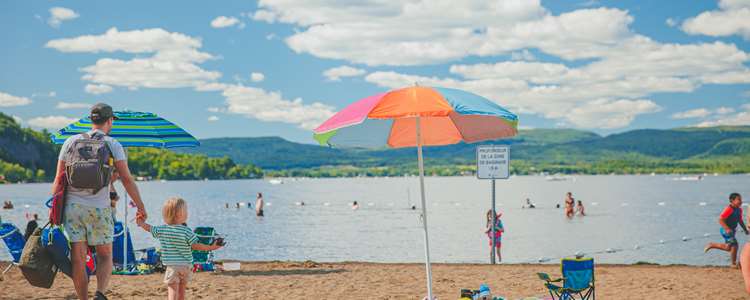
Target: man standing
column 88, row 160
column 729, row 218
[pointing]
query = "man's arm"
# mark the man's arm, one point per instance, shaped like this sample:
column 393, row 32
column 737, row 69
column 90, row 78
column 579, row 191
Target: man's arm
column 127, row 181
column 202, row 247
column 60, row 169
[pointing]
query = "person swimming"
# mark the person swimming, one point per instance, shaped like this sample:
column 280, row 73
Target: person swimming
column 579, row 208
column 529, row 204
column 355, row 205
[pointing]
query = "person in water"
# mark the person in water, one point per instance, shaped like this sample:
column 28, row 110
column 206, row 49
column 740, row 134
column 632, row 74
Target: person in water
column 259, row 205
column 499, row 229
column 580, row 209
column 729, row 219
column 355, row 205
column 569, row 203
column 529, row 204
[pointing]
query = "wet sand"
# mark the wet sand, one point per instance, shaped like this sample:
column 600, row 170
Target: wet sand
column 354, row 280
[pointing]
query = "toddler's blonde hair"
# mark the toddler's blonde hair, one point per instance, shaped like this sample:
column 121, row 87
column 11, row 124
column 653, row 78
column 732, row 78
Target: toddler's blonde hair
column 172, row 209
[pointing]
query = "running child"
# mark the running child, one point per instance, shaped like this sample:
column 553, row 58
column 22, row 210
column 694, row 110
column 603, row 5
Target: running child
column 177, row 242
column 729, row 218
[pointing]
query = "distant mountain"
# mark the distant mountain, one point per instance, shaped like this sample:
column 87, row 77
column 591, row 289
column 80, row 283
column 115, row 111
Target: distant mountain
column 558, row 146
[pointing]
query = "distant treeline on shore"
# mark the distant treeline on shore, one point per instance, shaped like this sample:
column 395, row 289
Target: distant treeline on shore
column 27, row 155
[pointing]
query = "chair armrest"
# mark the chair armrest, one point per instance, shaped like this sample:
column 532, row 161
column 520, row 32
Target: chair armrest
column 545, row 277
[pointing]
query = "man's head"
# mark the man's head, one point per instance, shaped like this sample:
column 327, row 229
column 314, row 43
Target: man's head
column 735, row 199
column 101, row 117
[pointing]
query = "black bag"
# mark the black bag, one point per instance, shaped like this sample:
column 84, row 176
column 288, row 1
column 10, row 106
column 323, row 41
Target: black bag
column 87, row 162
column 36, row 263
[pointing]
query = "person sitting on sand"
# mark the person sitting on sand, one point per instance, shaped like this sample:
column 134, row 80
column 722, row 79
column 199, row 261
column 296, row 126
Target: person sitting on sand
column 499, row 229
column 259, row 205
column 729, row 218
column 580, row 209
column 31, row 226
column 177, row 242
column 569, row 203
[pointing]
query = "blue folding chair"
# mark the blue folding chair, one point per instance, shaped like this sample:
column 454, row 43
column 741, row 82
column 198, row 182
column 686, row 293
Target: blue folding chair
column 14, row 241
column 577, row 280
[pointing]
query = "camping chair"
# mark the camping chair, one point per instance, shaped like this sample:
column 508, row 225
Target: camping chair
column 204, row 260
column 14, row 241
column 117, row 248
column 577, row 280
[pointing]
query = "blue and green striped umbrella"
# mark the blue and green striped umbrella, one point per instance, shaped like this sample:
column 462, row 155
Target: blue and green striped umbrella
column 135, row 129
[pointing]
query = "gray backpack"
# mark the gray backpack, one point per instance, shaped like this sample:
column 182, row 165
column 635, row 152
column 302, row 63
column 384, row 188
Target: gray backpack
column 87, row 162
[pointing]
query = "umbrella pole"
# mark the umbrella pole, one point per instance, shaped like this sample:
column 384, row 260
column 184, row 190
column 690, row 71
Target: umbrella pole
column 424, row 212
column 125, row 235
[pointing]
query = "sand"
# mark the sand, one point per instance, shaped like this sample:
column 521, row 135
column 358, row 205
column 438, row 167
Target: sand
column 309, row 280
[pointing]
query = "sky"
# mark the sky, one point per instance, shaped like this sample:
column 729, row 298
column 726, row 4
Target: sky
column 282, row 67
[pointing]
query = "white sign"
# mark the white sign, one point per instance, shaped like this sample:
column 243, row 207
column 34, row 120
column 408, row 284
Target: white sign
column 493, row 162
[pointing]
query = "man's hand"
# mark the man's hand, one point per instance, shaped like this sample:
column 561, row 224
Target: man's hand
column 141, row 214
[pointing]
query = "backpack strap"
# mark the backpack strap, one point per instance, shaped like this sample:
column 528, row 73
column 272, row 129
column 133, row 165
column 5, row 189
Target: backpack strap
column 85, row 135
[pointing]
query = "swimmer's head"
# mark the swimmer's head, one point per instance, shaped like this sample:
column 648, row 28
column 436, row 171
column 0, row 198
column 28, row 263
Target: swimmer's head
column 735, row 199
column 175, row 211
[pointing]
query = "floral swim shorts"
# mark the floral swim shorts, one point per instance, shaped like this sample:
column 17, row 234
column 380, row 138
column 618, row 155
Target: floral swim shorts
column 91, row 224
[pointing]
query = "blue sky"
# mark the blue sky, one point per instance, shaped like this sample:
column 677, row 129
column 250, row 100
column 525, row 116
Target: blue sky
column 605, row 66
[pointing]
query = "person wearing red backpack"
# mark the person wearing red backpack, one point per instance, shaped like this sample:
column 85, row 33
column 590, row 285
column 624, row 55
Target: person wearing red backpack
column 87, row 162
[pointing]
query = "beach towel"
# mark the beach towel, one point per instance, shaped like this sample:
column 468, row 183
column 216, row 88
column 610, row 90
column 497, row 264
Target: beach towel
column 58, row 200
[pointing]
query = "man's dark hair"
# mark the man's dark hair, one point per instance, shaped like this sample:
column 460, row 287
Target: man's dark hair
column 99, row 121
column 733, row 196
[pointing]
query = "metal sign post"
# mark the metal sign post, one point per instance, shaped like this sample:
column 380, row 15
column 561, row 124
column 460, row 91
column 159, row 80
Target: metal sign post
column 493, row 162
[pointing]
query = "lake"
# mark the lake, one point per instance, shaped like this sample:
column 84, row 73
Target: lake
column 622, row 212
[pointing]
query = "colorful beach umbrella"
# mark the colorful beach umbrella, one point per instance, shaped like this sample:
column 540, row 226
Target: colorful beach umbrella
column 135, row 129
column 414, row 117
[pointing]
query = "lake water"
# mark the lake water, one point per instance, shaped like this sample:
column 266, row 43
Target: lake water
column 623, row 211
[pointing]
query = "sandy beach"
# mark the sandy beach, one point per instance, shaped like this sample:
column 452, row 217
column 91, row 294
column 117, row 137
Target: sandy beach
column 310, row 280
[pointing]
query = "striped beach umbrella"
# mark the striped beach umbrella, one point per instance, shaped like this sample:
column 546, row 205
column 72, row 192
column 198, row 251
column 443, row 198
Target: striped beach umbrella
column 414, row 117
column 135, row 129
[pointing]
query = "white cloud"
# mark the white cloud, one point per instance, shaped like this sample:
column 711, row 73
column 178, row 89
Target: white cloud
column 692, row 114
column 407, row 33
column 52, row 94
column 271, row 36
column 257, row 77
column 733, row 17
column 738, row 119
column 270, row 106
column 525, row 54
column 173, row 64
column 214, row 109
column 213, row 118
column 59, row 15
column 610, row 114
column 72, row 105
column 50, row 122
column 335, row 74
column 97, row 89
column 8, row 100
column 724, row 110
column 222, row 22
column 671, row 22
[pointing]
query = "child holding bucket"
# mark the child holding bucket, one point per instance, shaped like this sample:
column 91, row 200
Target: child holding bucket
column 177, row 242
column 498, row 233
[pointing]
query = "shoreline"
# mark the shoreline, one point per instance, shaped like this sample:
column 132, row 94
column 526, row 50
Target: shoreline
column 368, row 280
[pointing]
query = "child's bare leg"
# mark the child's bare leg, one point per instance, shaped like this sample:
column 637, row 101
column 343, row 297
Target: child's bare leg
column 183, row 287
column 499, row 256
column 733, row 255
column 173, row 291
column 745, row 264
column 723, row 247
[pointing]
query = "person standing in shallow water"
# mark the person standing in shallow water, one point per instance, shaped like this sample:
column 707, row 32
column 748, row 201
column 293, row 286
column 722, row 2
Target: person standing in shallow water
column 499, row 229
column 569, row 203
column 729, row 219
column 259, row 205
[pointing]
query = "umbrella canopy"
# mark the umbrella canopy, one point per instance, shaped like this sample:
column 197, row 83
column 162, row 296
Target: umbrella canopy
column 447, row 116
column 135, row 129
column 418, row 116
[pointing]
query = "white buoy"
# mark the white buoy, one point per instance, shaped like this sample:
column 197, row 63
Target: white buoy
column 27, row 206
column 662, row 203
column 269, row 204
column 661, row 241
column 579, row 254
column 326, row 204
column 702, row 204
column 610, row 250
column 594, row 203
column 706, row 234
column 542, row 259
column 637, row 247
column 685, row 239
column 458, row 204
